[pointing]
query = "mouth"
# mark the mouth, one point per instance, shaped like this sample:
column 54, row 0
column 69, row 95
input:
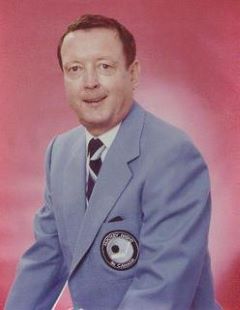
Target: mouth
column 94, row 100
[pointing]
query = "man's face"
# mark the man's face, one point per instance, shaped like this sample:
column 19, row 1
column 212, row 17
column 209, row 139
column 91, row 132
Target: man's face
column 99, row 86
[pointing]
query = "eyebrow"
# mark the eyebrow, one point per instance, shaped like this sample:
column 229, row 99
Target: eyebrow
column 72, row 61
column 115, row 62
column 65, row 65
column 107, row 58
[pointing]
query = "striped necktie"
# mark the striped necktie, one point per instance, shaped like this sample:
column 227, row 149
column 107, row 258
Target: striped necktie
column 95, row 149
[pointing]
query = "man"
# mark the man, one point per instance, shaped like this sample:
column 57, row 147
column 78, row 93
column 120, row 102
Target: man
column 127, row 204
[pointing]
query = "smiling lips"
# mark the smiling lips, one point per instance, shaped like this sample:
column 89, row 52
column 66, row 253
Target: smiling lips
column 94, row 99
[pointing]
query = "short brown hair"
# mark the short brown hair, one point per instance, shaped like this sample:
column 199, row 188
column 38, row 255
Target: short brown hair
column 89, row 21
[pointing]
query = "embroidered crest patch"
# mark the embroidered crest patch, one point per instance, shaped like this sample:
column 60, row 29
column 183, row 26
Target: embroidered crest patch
column 120, row 249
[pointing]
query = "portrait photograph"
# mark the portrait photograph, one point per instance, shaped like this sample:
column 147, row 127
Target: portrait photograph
column 120, row 155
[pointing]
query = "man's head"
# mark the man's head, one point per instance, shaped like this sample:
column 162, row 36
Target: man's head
column 99, row 21
column 97, row 56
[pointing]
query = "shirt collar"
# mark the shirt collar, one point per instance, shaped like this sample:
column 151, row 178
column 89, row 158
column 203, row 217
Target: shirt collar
column 106, row 138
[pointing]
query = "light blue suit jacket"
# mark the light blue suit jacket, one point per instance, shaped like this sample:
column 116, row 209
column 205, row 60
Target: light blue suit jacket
column 154, row 185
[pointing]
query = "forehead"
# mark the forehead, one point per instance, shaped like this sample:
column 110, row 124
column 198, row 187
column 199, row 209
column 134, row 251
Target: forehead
column 88, row 43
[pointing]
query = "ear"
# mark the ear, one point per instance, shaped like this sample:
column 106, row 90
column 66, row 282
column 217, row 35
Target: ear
column 134, row 70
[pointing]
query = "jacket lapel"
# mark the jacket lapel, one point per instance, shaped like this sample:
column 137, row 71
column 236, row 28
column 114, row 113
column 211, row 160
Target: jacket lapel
column 113, row 178
column 74, row 202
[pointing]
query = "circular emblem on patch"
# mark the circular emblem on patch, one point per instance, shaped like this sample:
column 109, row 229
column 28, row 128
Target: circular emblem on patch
column 120, row 249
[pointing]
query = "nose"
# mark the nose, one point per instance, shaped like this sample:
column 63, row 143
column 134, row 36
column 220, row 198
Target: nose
column 90, row 79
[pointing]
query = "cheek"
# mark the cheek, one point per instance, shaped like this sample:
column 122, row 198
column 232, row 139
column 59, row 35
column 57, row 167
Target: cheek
column 71, row 90
column 118, row 87
column 123, row 92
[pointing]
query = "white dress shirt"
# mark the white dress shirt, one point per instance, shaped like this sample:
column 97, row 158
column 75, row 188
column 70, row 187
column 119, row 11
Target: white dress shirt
column 106, row 138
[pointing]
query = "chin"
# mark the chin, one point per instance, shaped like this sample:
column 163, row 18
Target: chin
column 94, row 123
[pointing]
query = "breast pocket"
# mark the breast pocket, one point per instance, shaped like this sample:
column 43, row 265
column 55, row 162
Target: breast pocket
column 116, row 248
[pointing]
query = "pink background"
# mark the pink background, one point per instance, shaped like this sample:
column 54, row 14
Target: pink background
column 190, row 53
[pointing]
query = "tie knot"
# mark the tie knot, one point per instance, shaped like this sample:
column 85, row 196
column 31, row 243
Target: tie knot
column 94, row 145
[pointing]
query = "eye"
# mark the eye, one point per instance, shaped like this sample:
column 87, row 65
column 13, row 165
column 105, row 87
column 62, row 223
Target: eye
column 105, row 66
column 74, row 71
column 74, row 68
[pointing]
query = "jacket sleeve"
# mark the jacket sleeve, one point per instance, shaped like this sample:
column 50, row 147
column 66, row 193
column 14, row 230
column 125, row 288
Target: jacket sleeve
column 41, row 273
column 174, row 233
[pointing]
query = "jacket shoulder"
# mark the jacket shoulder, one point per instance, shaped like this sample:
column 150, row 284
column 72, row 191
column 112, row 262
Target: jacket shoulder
column 161, row 139
column 163, row 133
column 68, row 138
column 71, row 135
column 63, row 143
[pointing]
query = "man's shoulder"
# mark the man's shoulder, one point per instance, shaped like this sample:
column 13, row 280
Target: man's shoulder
column 162, row 132
column 63, row 142
column 71, row 135
column 164, row 140
column 166, row 144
